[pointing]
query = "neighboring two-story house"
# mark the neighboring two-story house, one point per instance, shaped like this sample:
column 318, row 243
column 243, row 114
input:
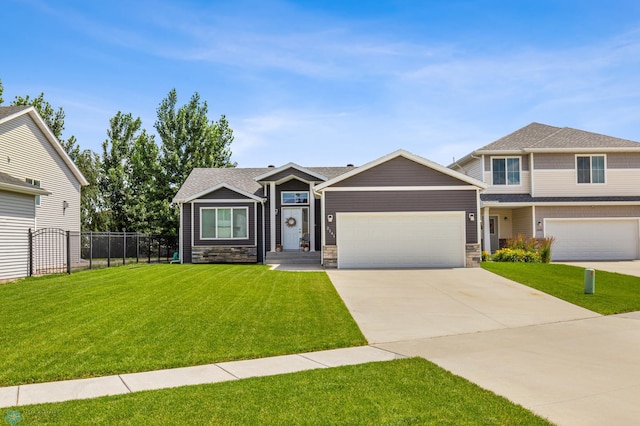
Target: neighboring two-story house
column 39, row 186
column 580, row 187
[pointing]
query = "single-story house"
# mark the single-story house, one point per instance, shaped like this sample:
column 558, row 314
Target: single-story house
column 400, row 210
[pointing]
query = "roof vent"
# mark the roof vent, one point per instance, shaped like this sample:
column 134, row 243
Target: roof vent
column 271, row 166
column 350, row 165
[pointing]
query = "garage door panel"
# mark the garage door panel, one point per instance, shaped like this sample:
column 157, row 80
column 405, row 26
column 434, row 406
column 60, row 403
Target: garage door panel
column 593, row 239
column 401, row 240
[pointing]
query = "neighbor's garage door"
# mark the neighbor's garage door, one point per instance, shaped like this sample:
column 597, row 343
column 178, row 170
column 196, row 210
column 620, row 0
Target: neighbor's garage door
column 593, row 239
column 400, row 240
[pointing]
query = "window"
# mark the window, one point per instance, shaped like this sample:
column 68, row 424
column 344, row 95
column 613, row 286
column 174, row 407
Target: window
column 224, row 223
column 289, row 197
column 590, row 168
column 506, row 171
column 35, row 183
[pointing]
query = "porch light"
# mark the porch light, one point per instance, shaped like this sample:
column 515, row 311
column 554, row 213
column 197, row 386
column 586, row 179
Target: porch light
column 472, row 217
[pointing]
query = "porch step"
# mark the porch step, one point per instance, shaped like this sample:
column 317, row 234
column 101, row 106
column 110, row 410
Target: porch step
column 294, row 257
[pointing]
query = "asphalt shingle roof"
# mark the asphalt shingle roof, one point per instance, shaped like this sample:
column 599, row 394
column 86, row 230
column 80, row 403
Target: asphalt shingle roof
column 542, row 136
column 6, row 111
column 200, row 180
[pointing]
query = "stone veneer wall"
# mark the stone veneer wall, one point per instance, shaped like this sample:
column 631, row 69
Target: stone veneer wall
column 473, row 254
column 224, row 254
column 330, row 256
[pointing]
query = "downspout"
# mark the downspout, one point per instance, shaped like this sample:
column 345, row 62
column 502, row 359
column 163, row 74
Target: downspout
column 264, row 242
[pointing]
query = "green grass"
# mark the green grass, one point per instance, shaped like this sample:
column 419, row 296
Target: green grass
column 147, row 317
column 614, row 293
column 409, row 391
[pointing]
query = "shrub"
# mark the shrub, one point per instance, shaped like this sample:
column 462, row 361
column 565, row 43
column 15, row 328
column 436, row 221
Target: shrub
column 544, row 248
column 521, row 242
column 516, row 255
column 486, row 256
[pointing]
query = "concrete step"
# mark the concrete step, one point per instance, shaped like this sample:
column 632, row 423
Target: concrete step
column 294, row 257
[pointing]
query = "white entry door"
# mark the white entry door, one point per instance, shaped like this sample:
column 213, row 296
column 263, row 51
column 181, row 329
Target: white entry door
column 291, row 227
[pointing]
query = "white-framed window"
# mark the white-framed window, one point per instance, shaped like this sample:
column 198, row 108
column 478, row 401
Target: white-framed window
column 505, row 170
column 295, row 197
column 35, row 183
column 224, row 223
column 590, row 168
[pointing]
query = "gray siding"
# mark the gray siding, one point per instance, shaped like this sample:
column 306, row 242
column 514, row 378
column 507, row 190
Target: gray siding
column 295, row 172
column 292, row 185
column 543, row 212
column 554, row 161
column 186, row 232
column 223, row 194
column 17, row 215
column 33, row 156
column 401, row 201
column 400, row 172
column 244, row 242
column 623, row 160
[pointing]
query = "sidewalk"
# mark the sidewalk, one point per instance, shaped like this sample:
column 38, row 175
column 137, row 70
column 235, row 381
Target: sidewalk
column 39, row 393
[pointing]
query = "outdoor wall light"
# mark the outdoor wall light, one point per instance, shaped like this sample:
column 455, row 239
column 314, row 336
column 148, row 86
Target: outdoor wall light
column 330, row 218
column 539, row 224
column 65, row 205
column 472, row 217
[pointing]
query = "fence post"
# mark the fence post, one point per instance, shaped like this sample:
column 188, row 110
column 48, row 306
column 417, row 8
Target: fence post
column 108, row 249
column 69, row 252
column 124, row 247
column 137, row 246
column 30, row 266
column 90, row 249
column 149, row 244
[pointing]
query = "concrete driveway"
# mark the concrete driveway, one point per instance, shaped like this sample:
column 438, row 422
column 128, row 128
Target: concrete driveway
column 394, row 305
column 627, row 267
column 565, row 363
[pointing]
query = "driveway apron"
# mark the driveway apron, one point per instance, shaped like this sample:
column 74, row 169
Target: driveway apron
column 565, row 363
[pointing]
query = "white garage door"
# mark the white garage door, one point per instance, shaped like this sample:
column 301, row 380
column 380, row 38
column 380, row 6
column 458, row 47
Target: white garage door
column 400, row 240
column 593, row 239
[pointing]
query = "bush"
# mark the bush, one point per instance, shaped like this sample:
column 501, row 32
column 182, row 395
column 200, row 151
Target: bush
column 544, row 248
column 486, row 256
column 516, row 255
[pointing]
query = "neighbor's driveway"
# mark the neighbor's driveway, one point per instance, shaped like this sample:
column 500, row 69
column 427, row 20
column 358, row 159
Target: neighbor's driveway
column 627, row 267
column 564, row 363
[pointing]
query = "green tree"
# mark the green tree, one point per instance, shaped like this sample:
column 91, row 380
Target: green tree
column 1, row 91
column 93, row 214
column 130, row 172
column 188, row 140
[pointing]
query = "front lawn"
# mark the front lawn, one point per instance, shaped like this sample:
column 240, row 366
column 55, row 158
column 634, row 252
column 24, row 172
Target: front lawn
column 615, row 293
column 408, row 391
column 147, row 317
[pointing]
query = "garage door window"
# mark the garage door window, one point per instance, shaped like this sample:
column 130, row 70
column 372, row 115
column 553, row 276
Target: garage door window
column 590, row 168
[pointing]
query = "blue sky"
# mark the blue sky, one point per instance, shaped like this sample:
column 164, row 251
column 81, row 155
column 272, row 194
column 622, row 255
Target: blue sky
column 333, row 82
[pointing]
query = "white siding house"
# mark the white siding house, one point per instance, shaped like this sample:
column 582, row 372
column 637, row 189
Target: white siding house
column 39, row 188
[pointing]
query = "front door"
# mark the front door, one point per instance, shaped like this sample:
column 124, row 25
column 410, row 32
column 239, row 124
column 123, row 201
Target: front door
column 291, row 227
column 494, row 223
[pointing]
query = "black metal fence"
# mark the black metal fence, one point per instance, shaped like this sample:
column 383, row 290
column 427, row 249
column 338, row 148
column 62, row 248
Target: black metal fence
column 54, row 251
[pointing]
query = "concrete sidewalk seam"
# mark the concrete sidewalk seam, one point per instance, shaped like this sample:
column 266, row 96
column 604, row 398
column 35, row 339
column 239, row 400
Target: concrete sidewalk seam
column 124, row 383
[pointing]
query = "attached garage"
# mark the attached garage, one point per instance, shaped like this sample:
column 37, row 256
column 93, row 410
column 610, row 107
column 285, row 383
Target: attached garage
column 594, row 238
column 401, row 240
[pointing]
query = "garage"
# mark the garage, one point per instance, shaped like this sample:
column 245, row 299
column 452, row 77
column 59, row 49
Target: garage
column 593, row 239
column 401, row 240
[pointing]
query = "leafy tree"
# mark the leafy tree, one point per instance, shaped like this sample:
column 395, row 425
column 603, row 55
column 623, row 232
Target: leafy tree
column 188, row 140
column 94, row 216
column 1, row 91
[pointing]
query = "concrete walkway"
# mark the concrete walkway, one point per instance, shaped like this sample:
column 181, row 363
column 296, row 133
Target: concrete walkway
column 565, row 363
column 212, row 373
column 626, row 267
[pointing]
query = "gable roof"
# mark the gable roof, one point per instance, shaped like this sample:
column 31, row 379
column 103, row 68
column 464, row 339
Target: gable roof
column 413, row 157
column 8, row 113
column 11, row 184
column 538, row 137
column 202, row 181
column 273, row 171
